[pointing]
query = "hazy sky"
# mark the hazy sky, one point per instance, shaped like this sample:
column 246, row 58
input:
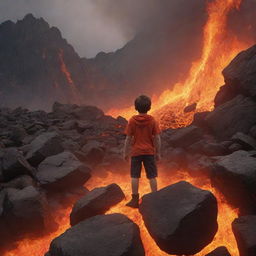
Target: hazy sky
column 84, row 23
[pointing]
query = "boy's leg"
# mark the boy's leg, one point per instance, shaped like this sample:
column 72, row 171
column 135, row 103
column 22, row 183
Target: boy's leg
column 153, row 184
column 135, row 186
column 136, row 165
column 149, row 163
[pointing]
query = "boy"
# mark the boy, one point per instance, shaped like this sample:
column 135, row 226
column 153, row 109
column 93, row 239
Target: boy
column 143, row 134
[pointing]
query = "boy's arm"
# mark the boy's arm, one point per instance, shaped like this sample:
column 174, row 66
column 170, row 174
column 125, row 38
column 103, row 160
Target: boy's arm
column 157, row 142
column 127, row 145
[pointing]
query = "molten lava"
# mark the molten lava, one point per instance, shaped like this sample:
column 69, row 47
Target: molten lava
column 204, row 80
column 226, row 215
column 67, row 74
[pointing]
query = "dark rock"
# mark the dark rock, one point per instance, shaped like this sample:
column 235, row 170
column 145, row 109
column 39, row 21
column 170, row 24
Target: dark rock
column 96, row 202
column 247, row 142
column 177, row 155
column 184, row 137
column 199, row 165
column 237, row 115
column 19, row 182
column 235, row 176
column 181, row 218
column 88, row 113
column 14, row 164
column 208, row 148
column 69, row 125
column 190, row 108
column 244, row 229
column 253, row 131
column 199, row 119
column 25, row 211
column 235, row 147
column 62, row 172
column 17, row 135
column 93, row 152
column 225, row 93
column 46, row 144
column 220, row 251
column 102, row 235
column 240, row 73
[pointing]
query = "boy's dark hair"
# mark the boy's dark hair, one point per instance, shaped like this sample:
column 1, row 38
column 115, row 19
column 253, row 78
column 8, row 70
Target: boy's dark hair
column 142, row 104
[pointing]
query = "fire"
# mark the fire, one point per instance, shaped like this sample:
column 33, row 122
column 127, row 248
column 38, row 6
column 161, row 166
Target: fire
column 205, row 78
column 226, row 214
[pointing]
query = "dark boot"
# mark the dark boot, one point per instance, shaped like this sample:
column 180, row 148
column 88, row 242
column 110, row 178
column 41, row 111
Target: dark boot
column 134, row 203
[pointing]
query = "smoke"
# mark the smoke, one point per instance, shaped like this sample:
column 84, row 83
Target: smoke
column 92, row 26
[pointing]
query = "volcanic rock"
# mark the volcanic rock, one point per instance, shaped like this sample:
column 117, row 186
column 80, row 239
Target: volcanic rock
column 235, row 176
column 96, row 202
column 88, row 113
column 19, row 182
column 14, row 164
column 62, row 172
column 181, row 218
column 246, row 141
column 184, row 137
column 240, row 73
column 24, row 211
column 220, row 251
column 46, row 144
column 235, row 147
column 237, row 115
column 190, row 108
column 225, row 93
column 244, row 229
column 93, row 152
column 199, row 119
column 102, row 235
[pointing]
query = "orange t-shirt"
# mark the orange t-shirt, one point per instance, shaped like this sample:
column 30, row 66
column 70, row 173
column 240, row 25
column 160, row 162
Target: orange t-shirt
column 142, row 128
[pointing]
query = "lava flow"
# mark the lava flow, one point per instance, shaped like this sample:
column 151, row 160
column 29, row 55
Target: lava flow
column 220, row 46
column 226, row 214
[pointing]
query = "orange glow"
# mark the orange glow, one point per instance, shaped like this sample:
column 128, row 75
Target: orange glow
column 226, row 215
column 67, row 74
column 205, row 77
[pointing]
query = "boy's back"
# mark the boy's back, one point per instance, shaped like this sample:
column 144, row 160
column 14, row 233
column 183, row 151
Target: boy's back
column 142, row 128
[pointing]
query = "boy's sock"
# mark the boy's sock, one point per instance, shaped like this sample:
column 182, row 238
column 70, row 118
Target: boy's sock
column 134, row 203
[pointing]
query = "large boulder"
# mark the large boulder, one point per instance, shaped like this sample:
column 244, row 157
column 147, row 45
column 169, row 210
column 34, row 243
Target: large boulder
column 220, row 251
column 102, row 235
column 235, row 176
column 46, row 144
column 24, row 211
column 239, row 75
column 183, row 137
column 88, row 113
column 246, row 141
column 13, row 164
column 96, row 202
column 181, row 218
column 244, row 229
column 62, row 172
column 237, row 115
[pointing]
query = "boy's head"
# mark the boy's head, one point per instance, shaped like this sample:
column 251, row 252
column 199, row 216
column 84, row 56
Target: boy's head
column 142, row 104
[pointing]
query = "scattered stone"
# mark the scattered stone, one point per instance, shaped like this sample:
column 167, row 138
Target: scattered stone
column 239, row 75
column 220, row 251
column 235, row 147
column 88, row 113
column 235, row 176
column 190, row 108
column 20, row 182
column 247, row 142
column 183, row 137
column 181, row 218
column 25, row 211
column 46, row 144
column 237, row 115
column 62, row 172
column 96, row 202
column 244, row 229
column 102, row 235
column 14, row 164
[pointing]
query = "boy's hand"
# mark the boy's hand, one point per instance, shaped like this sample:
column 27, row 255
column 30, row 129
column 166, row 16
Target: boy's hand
column 158, row 157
